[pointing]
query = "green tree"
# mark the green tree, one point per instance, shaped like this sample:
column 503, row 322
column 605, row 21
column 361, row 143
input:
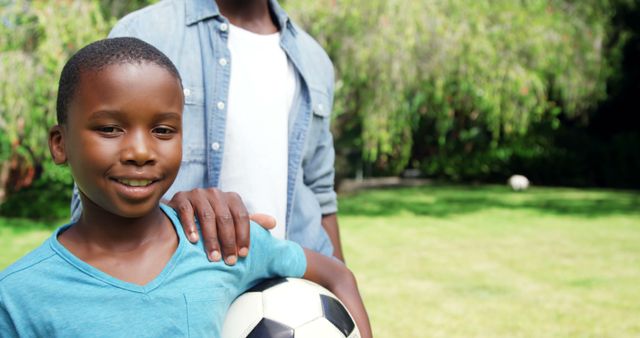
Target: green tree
column 422, row 79
column 36, row 38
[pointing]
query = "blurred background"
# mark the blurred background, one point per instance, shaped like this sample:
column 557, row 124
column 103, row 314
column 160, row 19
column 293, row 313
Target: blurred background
column 458, row 90
column 463, row 93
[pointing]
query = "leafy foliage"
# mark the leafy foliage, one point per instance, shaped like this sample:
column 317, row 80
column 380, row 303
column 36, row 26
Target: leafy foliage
column 46, row 198
column 433, row 84
column 36, row 39
column 466, row 90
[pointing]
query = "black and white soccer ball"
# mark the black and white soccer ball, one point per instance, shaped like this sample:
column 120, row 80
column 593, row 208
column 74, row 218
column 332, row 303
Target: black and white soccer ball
column 288, row 307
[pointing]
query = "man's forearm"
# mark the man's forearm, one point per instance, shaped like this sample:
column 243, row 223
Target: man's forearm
column 330, row 225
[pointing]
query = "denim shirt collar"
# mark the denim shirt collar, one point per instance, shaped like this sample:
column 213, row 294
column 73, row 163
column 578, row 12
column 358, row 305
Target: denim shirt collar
column 198, row 10
column 281, row 16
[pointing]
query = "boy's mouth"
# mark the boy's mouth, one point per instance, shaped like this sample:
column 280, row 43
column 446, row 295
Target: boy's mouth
column 134, row 183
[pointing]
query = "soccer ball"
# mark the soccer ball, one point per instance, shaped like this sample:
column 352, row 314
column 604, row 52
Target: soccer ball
column 288, row 307
column 518, row 182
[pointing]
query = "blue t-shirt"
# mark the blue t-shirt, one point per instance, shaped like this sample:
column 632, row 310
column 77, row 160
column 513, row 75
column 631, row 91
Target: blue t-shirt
column 52, row 293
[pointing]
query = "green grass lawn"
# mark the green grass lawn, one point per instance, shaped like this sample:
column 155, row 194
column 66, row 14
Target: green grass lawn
column 19, row 236
column 446, row 261
column 487, row 262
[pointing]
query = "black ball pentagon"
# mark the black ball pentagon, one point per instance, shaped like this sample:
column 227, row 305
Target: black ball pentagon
column 337, row 314
column 269, row 283
column 268, row 328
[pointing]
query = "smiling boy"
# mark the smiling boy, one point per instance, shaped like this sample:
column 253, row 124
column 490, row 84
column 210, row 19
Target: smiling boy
column 125, row 268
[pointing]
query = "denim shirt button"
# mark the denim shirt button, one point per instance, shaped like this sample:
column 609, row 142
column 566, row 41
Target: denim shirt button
column 186, row 92
column 224, row 27
column 220, row 105
column 222, row 61
column 215, row 146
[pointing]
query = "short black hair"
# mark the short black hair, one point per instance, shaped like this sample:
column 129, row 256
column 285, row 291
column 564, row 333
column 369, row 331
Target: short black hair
column 100, row 54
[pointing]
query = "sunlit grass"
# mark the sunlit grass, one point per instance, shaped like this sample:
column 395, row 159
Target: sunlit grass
column 487, row 262
column 447, row 261
column 18, row 236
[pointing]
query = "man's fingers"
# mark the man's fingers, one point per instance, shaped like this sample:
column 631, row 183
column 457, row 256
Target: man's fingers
column 185, row 213
column 207, row 218
column 266, row 221
column 224, row 224
column 240, row 222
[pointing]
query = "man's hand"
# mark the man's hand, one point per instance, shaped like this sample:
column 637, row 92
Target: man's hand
column 223, row 218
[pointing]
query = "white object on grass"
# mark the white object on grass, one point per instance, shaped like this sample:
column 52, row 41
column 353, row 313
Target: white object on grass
column 518, row 182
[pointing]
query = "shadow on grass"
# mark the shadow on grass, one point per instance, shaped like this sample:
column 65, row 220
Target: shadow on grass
column 444, row 201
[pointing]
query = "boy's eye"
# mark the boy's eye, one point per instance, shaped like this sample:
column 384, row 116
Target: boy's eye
column 108, row 129
column 164, row 131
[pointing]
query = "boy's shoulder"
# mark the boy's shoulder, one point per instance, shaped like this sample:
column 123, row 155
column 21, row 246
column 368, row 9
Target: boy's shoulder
column 256, row 231
column 260, row 236
column 264, row 247
column 27, row 263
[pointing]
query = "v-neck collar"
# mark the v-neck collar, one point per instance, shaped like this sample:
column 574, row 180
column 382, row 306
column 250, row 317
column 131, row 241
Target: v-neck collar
column 100, row 275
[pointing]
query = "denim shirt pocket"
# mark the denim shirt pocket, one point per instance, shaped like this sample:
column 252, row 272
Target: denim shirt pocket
column 320, row 102
column 206, row 309
column 193, row 125
column 193, row 95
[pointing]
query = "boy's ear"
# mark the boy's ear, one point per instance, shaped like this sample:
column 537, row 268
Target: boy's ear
column 56, row 145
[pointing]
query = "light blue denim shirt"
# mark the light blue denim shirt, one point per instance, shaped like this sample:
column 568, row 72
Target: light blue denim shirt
column 194, row 35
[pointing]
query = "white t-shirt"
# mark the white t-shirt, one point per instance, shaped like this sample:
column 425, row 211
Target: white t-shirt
column 261, row 91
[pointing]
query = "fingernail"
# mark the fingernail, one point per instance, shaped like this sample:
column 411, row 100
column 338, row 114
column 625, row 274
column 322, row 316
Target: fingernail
column 243, row 252
column 215, row 255
column 231, row 259
column 193, row 236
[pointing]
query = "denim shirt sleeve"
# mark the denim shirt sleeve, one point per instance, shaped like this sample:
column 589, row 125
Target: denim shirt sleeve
column 318, row 164
column 319, row 170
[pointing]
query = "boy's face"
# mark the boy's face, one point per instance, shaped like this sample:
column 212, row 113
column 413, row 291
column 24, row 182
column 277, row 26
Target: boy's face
column 122, row 138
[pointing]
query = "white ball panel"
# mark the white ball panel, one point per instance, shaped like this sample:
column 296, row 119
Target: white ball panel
column 293, row 303
column 319, row 328
column 243, row 315
column 316, row 287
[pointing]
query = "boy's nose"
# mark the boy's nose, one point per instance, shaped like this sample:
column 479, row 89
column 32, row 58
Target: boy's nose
column 138, row 149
